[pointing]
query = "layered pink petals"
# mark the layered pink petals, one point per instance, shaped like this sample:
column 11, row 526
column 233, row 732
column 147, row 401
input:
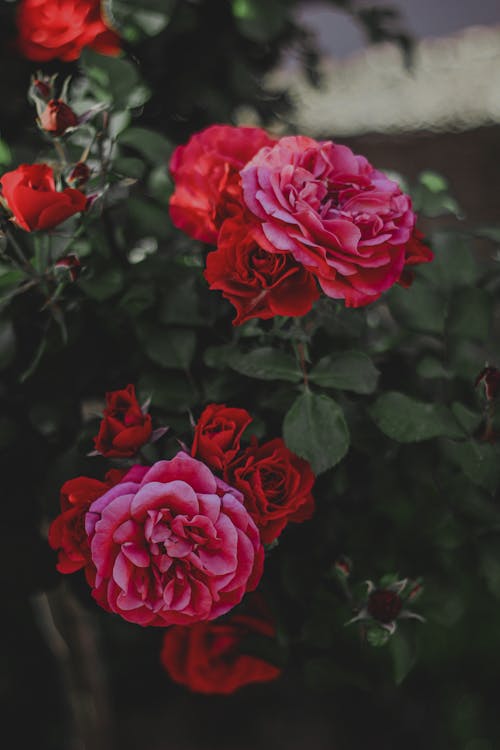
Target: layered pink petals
column 336, row 215
column 50, row 29
column 206, row 175
column 173, row 546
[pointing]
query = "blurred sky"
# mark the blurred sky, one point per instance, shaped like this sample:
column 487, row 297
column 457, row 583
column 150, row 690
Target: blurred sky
column 338, row 35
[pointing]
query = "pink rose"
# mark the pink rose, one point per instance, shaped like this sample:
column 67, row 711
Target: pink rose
column 338, row 216
column 172, row 544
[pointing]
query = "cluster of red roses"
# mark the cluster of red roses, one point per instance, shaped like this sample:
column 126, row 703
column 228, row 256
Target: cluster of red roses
column 288, row 213
column 180, row 543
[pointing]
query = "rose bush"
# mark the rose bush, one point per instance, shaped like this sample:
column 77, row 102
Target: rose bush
column 172, row 544
column 30, row 193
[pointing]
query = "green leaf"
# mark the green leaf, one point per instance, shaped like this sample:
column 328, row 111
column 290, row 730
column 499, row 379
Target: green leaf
column 431, row 368
column 171, row 391
column 169, row 347
column 407, row 420
column 180, row 304
column 420, row 308
column 114, row 80
column 468, row 419
column 404, row 656
column 104, row 285
column 150, row 144
column 5, row 153
column 470, row 314
column 454, row 264
column 348, row 371
column 127, row 166
column 149, row 218
column 266, row 364
column 315, row 428
column 480, row 462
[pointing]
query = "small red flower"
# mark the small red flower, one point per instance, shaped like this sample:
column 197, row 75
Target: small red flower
column 30, row 193
column 217, row 435
column 124, row 427
column 57, row 118
column 276, row 485
column 67, row 532
column 209, row 657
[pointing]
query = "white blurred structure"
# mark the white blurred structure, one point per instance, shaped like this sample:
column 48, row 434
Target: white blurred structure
column 454, row 85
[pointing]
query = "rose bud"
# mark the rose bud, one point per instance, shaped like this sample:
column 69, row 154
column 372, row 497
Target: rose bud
column 125, row 428
column 71, row 264
column 41, row 88
column 79, row 175
column 384, row 605
column 489, row 377
column 57, row 118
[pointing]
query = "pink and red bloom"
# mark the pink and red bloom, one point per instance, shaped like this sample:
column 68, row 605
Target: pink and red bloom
column 209, row 657
column 30, row 193
column 50, row 29
column 324, row 213
column 172, row 544
column 125, row 428
column 333, row 212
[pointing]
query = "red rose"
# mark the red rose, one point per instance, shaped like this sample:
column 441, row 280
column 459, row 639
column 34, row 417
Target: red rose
column 67, row 532
column 57, row 117
column 416, row 251
column 209, row 657
column 51, row 29
column 124, row 428
column 218, row 433
column 259, row 284
column 276, row 485
column 31, row 195
column 206, row 176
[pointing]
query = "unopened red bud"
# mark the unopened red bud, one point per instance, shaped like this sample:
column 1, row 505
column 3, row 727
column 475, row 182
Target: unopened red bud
column 71, row 264
column 57, row 117
column 384, row 605
column 79, row 175
column 490, row 378
column 42, row 88
column 343, row 567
